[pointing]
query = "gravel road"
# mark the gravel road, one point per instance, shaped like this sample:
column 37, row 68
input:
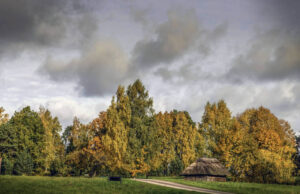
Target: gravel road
column 179, row 186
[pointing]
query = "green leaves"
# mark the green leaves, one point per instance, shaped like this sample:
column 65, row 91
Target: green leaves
column 130, row 139
column 30, row 141
column 24, row 164
column 217, row 125
column 31, row 136
column 8, row 140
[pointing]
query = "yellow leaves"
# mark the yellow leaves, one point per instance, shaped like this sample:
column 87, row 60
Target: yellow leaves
column 139, row 165
column 178, row 138
column 126, row 138
column 3, row 116
column 253, row 145
column 274, row 167
column 264, row 148
column 110, row 142
column 99, row 123
column 218, row 126
column 53, row 147
column 269, row 140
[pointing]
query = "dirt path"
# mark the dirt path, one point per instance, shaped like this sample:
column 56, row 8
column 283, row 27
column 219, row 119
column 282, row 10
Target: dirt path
column 179, row 186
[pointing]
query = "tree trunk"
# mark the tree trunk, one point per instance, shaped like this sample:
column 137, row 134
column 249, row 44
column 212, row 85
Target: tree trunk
column 0, row 164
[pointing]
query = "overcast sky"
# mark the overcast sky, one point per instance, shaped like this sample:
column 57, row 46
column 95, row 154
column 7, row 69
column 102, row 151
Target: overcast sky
column 71, row 55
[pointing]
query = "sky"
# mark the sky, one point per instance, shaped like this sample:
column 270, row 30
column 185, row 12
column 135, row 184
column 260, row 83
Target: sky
column 70, row 56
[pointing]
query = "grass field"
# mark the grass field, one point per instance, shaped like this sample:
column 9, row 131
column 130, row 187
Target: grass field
column 35, row 184
column 237, row 187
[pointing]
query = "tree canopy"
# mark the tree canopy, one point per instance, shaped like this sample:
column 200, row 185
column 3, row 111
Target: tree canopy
column 129, row 138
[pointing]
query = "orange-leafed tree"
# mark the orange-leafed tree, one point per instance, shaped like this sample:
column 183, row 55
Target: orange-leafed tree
column 110, row 129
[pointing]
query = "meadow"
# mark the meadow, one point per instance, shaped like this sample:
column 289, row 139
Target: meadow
column 238, row 187
column 45, row 185
column 39, row 184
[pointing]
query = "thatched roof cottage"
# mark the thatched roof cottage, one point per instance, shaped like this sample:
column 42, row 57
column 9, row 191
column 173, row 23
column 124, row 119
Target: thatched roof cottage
column 207, row 169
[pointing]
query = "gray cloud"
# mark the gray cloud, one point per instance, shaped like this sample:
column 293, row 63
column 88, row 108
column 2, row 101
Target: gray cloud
column 181, row 35
column 296, row 91
column 181, row 57
column 139, row 16
column 210, row 38
column 33, row 20
column 97, row 71
column 283, row 14
column 87, row 27
column 28, row 24
column 273, row 55
column 186, row 74
column 173, row 39
column 191, row 71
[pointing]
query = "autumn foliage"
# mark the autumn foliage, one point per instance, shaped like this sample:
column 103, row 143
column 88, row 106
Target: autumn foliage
column 256, row 146
column 131, row 139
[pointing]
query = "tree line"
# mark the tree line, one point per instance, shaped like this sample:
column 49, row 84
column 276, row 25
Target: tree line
column 130, row 139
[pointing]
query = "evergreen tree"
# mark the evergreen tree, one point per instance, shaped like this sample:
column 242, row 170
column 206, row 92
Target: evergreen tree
column 3, row 120
column 24, row 164
column 297, row 156
column 140, row 136
column 30, row 134
column 7, row 166
column 8, row 146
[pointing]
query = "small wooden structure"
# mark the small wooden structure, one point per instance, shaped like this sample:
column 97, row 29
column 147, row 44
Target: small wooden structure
column 206, row 169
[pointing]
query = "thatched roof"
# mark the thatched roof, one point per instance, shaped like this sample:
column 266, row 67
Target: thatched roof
column 206, row 166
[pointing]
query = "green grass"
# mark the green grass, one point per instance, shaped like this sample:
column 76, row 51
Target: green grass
column 238, row 187
column 36, row 184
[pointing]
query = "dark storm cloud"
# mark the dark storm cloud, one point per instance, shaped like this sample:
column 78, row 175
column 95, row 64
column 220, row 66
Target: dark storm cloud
column 31, row 20
column 26, row 24
column 97, row 71
column 274, row 55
